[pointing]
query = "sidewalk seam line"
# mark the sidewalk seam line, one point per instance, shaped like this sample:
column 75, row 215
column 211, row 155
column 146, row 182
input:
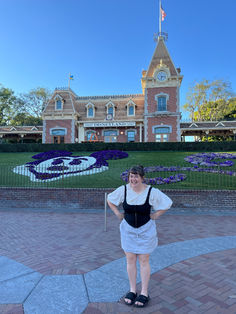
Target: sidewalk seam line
column 86, row 289
column 32, row 290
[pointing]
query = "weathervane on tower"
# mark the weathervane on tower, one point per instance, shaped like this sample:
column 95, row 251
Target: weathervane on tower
column 162, row 15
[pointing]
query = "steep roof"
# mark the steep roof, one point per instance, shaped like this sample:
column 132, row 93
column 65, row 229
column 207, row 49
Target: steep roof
column 161, row 55
column 68, row 97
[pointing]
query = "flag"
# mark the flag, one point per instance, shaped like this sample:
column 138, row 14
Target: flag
column 163, row 14
column 71, row 77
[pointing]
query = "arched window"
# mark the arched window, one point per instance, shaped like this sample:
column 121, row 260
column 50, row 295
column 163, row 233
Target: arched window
column 58, row 104
column 161, row 132
column 131, row 110
column 90, row 110
column 110, row 109
column 58, row 132
column 90, row 135
column 161, row 103
column 162, row 100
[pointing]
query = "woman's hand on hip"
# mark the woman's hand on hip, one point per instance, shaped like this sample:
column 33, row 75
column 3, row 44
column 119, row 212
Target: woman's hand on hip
column 152, row 216
column 120, row 216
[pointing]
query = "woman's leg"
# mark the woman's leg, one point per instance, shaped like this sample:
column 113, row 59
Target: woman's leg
column 131, row 260
column 145, row 273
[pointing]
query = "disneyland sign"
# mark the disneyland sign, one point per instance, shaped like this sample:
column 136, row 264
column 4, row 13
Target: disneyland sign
column 108, row 124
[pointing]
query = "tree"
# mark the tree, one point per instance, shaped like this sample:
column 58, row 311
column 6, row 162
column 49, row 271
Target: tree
column 231, row 110
column 208, row 100
column 34, row 102
column 218, row 110
column 22, row 118
column 8, row 104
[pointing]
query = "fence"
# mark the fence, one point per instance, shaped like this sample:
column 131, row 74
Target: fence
column 85, row 176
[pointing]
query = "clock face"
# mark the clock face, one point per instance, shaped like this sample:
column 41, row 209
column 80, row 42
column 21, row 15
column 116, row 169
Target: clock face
column 161, row 76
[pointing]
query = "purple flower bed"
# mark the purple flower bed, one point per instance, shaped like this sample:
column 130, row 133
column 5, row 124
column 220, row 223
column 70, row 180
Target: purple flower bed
column 203, row 159
column 158, row 180
column 54, row 164
column 208, row 159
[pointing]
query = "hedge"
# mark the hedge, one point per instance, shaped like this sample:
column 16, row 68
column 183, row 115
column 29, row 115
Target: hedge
column 150, row 146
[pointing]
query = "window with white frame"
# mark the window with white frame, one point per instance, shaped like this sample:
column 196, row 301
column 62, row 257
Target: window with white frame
column 131, row 108
column 130, row 136
column 162, row 100
column 161, row 103
column 58, row 102
column 162, row 133
column 110, row 136
column 110, row 109
column 90, row 110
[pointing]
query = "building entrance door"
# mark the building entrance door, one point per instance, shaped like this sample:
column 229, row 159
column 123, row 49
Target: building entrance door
column 110, row 136
column 58, row 139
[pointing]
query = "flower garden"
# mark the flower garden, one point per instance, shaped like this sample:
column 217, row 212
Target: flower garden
column 102, row 169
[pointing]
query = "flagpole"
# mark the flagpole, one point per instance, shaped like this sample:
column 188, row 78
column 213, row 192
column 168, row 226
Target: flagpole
column 69, row 82
column 159, row 16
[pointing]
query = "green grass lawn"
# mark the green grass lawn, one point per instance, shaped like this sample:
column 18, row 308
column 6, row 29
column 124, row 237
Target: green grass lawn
column 111, row 177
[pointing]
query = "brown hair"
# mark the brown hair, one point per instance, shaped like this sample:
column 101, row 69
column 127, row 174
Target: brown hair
column 137, row 170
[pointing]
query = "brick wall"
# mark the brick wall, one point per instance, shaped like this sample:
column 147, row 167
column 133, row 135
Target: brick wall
column 73, row 199
column 171, row 102
column 163, row 120
column 58, row 124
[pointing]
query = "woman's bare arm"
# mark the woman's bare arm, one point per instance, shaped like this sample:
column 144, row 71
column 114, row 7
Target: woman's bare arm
column 115, row 210
column 157, row 214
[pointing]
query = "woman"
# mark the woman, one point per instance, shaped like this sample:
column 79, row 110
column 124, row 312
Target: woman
column 142, row 205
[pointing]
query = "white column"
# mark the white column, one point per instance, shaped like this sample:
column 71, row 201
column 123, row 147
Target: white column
column 140, row 132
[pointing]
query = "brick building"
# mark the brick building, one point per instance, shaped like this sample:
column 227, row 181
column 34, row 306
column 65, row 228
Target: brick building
column 151, row 116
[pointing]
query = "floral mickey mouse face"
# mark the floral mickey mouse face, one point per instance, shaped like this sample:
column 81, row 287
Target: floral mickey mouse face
column 53, row 165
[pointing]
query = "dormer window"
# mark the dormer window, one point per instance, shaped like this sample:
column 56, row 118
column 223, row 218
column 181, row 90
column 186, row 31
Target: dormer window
column 58, row 102
column 162, row 100
column 110, row 109
column 131, row 108
column 90, row 110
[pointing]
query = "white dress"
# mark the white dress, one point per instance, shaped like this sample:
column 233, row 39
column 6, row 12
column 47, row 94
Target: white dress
column 142, row 240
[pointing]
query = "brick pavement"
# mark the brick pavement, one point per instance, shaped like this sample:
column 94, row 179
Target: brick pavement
column 204, row 284
column 60, row 243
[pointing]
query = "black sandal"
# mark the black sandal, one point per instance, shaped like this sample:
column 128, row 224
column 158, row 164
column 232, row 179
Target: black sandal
column 130, row 296
column 142, row 299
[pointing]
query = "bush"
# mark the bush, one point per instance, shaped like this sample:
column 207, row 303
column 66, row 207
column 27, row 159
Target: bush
column 150, row 146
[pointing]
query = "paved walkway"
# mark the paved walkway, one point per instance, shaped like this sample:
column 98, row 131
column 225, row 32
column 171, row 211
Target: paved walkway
column 66, row 263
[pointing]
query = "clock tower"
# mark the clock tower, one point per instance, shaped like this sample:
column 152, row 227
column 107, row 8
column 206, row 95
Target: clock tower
column 161, row 84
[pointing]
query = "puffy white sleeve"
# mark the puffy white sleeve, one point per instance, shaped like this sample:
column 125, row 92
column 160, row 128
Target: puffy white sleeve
column 117, row 197
column 159, row 201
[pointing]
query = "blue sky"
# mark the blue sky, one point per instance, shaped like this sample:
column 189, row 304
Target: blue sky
column 106, row 44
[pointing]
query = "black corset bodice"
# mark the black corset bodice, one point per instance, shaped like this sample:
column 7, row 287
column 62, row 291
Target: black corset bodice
column 137, row 215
